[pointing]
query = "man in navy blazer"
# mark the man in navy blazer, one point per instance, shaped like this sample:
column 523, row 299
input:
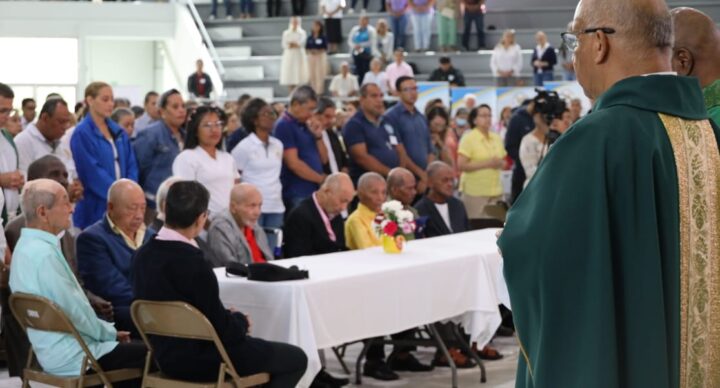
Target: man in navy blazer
column 105, row 249
column 446, row 214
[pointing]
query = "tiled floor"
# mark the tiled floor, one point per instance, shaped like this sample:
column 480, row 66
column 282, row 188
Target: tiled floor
column 500, row 374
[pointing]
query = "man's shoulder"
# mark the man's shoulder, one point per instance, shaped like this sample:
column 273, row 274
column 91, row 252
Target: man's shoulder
column 100, row 229
column 302, row 210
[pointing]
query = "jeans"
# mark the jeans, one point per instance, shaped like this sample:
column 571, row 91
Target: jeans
column 447, row 31
column 228, row 8
column 399, row 27
column 274, row 221
column 422, row 30
column 541, row 78
column 247, row 6
column 468, row 19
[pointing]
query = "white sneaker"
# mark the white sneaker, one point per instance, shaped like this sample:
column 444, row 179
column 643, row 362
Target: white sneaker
column 351, row 11
column 229, row 17
column 212, row 17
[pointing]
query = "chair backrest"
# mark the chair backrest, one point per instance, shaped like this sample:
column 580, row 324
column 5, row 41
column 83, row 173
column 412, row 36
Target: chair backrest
column 36, row 312
column 171, row 319
column 180, row 320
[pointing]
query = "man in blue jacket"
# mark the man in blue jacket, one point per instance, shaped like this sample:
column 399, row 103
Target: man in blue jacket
column 105, row 249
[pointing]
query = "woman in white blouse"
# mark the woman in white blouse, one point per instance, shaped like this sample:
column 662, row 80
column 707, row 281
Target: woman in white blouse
column 203, row 159
column 293, row 63
column 506, row 61
column 534, row 146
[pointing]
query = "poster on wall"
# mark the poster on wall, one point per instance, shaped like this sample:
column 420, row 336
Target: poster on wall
column 513, row 97
column 428, row 91
column 473, row 96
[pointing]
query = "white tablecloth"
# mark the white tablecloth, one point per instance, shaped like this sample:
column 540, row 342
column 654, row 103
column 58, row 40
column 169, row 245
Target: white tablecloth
column 362, row 294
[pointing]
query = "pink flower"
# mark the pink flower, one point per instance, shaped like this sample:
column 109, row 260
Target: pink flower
column 390, row 228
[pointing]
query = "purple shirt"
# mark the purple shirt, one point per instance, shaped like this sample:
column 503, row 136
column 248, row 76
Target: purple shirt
column 397, row 5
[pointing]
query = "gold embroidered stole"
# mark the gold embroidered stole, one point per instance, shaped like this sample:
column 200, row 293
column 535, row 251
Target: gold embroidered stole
column 698, row 168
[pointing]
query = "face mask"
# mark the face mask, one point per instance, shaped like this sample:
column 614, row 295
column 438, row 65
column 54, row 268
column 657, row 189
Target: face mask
column 460, row 122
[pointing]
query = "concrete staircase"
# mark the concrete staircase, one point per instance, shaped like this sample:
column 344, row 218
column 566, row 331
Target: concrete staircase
column 250, row 49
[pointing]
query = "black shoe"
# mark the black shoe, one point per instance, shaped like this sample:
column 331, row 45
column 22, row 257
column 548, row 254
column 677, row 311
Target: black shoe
column 503, row 331
column 326, row 378
column 380, row 371
column 407, row 362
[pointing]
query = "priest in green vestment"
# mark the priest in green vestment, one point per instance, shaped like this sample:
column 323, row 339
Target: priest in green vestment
column 696, row 52
column 612, row 252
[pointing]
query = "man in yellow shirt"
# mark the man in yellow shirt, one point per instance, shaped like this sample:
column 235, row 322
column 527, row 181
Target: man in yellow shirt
column 359, row 232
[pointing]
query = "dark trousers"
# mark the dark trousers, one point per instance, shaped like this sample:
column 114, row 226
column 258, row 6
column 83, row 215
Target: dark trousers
column 376, row 351
column 298, row 7
column 247, row 6
column 362, row 65
column 286, row 364
column 14, row 338
column 228, row 7
column 468, row 19
column 273, row 4
column 129, row 355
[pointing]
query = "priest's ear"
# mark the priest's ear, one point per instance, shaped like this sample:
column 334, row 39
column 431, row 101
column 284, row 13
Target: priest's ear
column 682, row 61
column 600, row 47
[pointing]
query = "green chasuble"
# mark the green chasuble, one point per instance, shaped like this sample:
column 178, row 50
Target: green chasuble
column 597, row 274
column 712, row 101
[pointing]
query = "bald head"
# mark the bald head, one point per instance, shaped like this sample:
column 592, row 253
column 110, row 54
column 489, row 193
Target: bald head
column 336, row 193
column 126, row 206
column 401, row 185
column 696, row 48
column 245, row 204
column 46, row 206
column 618, row 39
column 372, row 190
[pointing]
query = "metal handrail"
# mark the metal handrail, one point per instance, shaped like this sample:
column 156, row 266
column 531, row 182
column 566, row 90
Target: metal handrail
column 206, row 37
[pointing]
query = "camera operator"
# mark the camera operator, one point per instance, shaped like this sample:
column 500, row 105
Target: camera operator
column 548, row 111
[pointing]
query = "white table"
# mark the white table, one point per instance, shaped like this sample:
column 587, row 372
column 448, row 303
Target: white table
column 363, row 294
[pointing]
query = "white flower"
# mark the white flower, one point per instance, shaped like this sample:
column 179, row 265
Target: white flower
column 405, row 215
column 392, row 207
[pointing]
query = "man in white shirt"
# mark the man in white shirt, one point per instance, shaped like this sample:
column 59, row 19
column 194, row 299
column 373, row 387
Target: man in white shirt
column 28, row 112
column 344, row 84
column 43, row 138
column 446, row 214
column 11, row 179
column 151, row 114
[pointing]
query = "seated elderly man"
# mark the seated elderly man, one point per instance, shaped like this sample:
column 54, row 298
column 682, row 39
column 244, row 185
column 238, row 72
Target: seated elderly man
column 47, row 167
column 359, row 234
column 446, row 215
column 401, row 186
column 172, row 267
column 315, row 226
column 234, row 235
column 39, row 268
column 105, row 249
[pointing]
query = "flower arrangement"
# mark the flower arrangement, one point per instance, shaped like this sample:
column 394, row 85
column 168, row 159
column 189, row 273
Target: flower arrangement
column 392, row 224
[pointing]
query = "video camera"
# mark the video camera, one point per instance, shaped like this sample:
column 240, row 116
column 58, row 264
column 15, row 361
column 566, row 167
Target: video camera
column 549, row 104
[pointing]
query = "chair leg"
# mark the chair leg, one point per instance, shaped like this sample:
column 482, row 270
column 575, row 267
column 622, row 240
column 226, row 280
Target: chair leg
column 466, row 348
column 341, row 361
column 433, row 332
column 358, row 366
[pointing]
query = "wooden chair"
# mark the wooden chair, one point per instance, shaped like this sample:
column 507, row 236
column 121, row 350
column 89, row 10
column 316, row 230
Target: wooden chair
column 38, row 313
column 181, row 320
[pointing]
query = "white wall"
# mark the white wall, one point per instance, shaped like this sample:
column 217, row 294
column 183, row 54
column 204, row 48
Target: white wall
column 136, row 47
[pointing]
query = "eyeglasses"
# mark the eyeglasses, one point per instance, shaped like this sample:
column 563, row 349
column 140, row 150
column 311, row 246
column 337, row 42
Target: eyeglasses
column 213, row 124
column 269, row 113
column 570, row 40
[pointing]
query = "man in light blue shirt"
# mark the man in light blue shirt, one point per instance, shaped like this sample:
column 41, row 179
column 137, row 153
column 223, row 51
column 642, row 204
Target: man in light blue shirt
column 39, row 268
